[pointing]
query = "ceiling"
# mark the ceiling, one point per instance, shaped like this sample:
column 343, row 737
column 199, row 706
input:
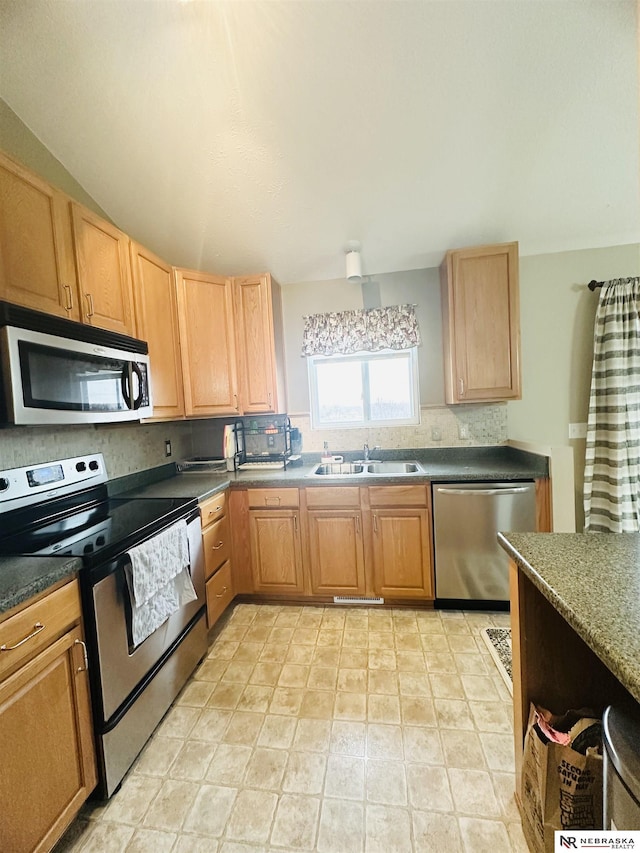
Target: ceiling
column 239, row 136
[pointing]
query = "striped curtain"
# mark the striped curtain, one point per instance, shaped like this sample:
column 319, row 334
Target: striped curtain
column 612, row 464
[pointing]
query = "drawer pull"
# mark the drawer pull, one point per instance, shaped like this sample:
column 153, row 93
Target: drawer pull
column 219, row 595
column 213, row 511
column 217, row 547
column 84, row 654
column 272, row 501
column 38, row 627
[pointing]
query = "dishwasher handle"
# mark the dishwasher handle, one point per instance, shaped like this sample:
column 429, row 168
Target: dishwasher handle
column 512, row 490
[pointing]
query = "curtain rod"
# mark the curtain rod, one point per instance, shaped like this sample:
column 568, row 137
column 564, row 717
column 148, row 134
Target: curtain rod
column 593, row 283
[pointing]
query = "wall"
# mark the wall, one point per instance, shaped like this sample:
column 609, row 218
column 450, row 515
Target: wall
column 17, row 140
column 440, row 425
column 557, row 312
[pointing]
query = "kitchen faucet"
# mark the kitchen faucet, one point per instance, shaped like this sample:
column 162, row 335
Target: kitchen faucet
column 366, row 451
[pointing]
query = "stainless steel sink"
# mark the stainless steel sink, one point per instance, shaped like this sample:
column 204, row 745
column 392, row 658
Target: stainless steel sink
column 391, row 468
column 394, row 468
column 339, row 469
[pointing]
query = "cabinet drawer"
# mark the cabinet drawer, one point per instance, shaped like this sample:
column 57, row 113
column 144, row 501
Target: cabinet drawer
column 398, row 496
column 55, row 613
column 219, row 593
column 213, row 507
column 273, row 498
column 328, row 497
column 216, row 541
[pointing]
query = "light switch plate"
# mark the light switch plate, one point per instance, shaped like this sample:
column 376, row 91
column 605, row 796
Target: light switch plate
column 578, row 430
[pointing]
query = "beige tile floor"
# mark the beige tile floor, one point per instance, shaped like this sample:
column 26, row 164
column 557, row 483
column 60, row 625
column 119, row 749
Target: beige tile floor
column 325, row 729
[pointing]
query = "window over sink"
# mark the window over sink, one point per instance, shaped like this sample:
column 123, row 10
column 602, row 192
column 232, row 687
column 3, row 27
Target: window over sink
column 364, row 389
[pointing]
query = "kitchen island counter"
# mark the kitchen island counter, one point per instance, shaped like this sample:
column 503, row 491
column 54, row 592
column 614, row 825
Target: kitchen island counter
column 575, row 622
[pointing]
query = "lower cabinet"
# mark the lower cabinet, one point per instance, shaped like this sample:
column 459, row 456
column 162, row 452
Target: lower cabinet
column 216, row 543
column 327, row 541
column 46, row 737
column 275, row 541
column 335, row 541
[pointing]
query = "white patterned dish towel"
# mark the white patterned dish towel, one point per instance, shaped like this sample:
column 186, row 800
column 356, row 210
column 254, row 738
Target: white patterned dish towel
column 158, row 579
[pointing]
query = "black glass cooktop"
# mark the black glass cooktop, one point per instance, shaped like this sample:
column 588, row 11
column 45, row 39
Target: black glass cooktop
column 90, row 525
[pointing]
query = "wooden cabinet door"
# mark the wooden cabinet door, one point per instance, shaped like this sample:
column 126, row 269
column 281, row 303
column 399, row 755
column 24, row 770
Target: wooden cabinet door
column 336, row 552
column 481, row 324
column 36, row 246
column 46, row 743
column 104, row 272
column 276, row 554
column 157, row 324
column 402, row 553
column 256, row 347
column 205, row 314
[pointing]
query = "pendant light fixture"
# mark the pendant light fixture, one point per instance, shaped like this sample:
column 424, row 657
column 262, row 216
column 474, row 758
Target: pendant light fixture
column 353, row 261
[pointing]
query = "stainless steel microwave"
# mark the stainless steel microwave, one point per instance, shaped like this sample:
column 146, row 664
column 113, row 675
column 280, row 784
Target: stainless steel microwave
column 54, row 379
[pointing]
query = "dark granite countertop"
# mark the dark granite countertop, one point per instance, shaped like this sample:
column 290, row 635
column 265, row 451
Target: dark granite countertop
column 23, row 577
column 445, row 464
column 593, row 581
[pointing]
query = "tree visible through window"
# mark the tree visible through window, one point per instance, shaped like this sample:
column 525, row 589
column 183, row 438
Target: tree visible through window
column 364, row 389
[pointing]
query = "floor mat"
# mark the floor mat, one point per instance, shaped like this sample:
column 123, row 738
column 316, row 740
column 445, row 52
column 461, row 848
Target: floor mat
column 498, row 642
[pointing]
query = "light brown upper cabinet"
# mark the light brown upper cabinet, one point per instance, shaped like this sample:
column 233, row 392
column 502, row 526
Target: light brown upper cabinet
column 157, row 323
column 207, row 338
column 481, row 316
column 104, row 272
column 36, row 247
column 259, row 344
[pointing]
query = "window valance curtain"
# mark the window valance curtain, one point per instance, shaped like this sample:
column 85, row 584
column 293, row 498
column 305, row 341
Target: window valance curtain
column 368, row 329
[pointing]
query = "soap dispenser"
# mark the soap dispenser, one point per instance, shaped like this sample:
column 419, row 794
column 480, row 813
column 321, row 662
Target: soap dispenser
column 326, row 456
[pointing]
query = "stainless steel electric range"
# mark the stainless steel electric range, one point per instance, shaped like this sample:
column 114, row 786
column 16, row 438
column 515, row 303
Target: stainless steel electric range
column 63, row 508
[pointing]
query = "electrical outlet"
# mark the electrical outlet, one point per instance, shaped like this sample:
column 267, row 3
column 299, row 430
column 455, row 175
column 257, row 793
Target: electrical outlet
column 578, row 430
column 463, row 431
column 436, row 434
column 167, row 448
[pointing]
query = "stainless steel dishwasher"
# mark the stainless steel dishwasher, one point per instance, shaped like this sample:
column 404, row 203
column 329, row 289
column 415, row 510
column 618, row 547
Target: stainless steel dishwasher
column 470, row 567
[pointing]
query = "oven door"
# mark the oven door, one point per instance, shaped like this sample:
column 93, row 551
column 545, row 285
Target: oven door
column 50, row 380
column 120, row 668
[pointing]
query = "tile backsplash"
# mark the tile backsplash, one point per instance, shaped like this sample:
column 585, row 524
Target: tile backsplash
column 440, row 426
column 127, row 448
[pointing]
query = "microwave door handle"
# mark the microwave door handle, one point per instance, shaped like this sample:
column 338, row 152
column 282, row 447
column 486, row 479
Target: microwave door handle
column 135, row 367
column 125, row 383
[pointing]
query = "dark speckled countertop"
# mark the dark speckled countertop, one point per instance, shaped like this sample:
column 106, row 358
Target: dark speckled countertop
column 445, row 464
column 593, row 581
column 21, row 578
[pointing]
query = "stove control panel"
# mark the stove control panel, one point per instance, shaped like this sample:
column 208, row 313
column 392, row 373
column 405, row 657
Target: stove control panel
column 34, row 483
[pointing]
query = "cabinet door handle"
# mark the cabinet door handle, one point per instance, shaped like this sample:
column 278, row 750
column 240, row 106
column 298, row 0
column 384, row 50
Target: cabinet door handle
column 295, row 523
column 69, row 296
column 84, row 655
column 272, row 501
column 358, row 525
column 235, row 398
column 218, row 546
column 219, row 595
column 89, row 297
column 461, row 386
column 375, row 523
column 37, row 628
column 269, row 399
